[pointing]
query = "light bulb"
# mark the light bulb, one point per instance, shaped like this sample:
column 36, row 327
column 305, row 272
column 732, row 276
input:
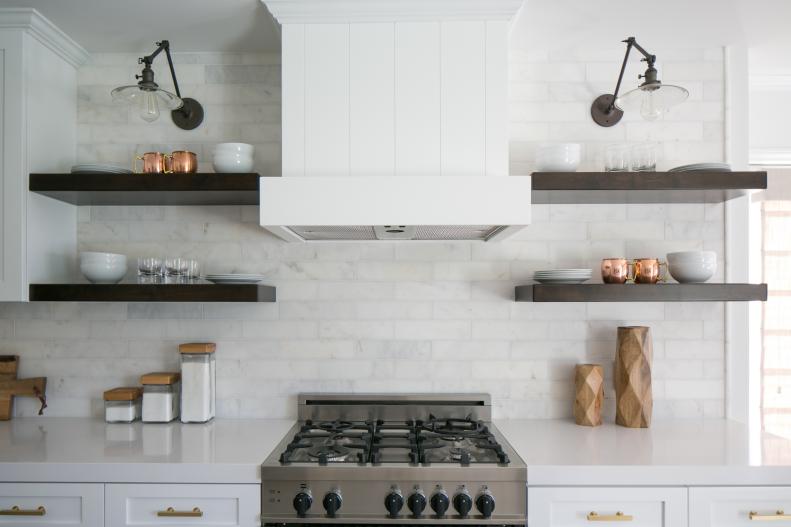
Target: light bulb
column 649, row 109
column 149, row 106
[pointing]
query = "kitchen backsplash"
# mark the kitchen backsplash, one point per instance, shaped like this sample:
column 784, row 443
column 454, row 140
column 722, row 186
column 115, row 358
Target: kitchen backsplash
column 373, row 317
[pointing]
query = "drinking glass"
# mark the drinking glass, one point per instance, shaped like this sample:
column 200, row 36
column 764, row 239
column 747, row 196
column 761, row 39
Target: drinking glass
column 149, row 266
column 176, row 266
column 616, row 158
column 644, row 157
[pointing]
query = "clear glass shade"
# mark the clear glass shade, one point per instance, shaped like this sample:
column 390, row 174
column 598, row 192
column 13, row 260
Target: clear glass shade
column 652, row 100
column 148, row 101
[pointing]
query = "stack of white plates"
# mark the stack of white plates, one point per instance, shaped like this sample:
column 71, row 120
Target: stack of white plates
column 563, row 276
column 703, row 167
column 234, row 278
column 100, row 168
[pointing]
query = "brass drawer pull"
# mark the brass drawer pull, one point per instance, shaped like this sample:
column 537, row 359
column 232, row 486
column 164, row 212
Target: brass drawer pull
column 594, row 516
column 779, row 515
column 16, row 511
column 173, row 513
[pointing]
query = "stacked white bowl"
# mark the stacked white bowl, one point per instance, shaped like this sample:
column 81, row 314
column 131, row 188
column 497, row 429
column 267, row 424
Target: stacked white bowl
column 103, row 268
column 233, row 157
column 692, row 266
column 562, row 157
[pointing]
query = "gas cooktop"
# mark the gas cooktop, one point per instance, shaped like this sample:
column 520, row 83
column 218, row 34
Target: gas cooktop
column 391, row 459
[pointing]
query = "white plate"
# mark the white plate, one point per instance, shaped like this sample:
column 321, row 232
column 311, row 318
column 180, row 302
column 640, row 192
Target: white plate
column 560, row 281
column 702, row 167
column 255, row 276
column 234, row 280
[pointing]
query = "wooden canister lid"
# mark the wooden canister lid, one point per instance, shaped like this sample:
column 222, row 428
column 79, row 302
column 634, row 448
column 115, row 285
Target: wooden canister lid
column 123, row 394
column 198, row 347
column 160, row 377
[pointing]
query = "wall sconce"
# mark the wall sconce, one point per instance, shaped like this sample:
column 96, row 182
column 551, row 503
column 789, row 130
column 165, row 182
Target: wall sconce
column 651, row 98
column 186, row 113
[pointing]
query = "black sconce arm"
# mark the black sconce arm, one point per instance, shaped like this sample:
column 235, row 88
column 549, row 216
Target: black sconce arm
column 149, row 59
column 650, row 74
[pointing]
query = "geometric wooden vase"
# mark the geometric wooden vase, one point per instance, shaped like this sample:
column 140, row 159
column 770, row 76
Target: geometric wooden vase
column 589, row 387
column 633, row 398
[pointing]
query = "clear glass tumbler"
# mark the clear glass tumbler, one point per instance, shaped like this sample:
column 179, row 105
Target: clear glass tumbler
column 616, row 158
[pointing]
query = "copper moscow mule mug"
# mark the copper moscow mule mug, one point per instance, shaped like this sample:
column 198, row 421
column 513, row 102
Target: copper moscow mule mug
column 649, row 270
column 153, row 163
column 616, row 270
column 183, row 161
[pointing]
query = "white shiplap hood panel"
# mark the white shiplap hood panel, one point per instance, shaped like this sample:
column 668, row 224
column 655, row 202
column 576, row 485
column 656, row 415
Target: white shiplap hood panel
column 395, row 122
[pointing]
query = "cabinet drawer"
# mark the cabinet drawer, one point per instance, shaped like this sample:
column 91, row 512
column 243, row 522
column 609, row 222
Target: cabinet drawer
column 66, row 504
column 606, row 506
column 731, row 506
column 194, row 505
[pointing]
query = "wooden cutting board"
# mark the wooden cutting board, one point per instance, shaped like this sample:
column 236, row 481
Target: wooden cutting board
column 10, row 386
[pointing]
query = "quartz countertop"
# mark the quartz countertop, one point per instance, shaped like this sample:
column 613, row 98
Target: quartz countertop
column 56, row 449
column 557, row 452
column 677, row 452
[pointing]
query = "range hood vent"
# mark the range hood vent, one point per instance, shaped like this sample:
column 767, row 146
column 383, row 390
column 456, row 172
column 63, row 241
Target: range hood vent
column 395, row 122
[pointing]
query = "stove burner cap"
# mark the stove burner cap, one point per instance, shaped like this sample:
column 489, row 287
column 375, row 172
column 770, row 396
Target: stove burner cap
column 335, row 426
column 331, row 451
column 453, row 438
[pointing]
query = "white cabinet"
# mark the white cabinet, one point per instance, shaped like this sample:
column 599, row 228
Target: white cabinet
column 38, row 120
column 209, row 505
column 45, row 504
column 732, row 506
column 591, row 506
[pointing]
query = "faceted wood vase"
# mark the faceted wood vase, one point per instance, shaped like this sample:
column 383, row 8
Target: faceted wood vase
column 633, row 398
column 589, row 385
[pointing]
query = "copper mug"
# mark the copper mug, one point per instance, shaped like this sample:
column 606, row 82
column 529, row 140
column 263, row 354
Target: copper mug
column 616, row 270
column 183, row 161
column 649, row 270
column 153, row 163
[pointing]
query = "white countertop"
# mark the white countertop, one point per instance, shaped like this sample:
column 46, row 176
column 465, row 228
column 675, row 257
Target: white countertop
column 557, row 452
column 681, row 452
column 65, row 449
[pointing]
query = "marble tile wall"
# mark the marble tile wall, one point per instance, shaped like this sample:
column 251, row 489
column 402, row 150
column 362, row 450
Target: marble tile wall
column 382, row 316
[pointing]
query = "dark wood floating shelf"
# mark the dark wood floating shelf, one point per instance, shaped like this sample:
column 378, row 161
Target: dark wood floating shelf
column 643, row 187
column 132, row 292
column 148, row 189
column 641, row 293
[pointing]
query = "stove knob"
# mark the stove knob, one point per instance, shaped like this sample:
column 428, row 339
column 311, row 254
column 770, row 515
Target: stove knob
column 440, row 502
column 416, row 503
column 302, row 502
column 485, row 503
column 462, row 502
column 394, row 501
column 332, row 502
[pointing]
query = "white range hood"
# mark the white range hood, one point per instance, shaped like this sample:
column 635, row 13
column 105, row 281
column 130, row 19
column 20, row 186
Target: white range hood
column 395, row 123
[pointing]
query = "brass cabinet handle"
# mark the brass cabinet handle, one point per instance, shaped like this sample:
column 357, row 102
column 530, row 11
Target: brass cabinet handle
column 594, row 516
column 777, row 516
column 16, row 511
column 173, row 513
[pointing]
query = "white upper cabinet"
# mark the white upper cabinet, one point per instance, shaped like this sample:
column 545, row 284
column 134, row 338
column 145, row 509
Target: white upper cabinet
column 38, row 120
column 370, row 90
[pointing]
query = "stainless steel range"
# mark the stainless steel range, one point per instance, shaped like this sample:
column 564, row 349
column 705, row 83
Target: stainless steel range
column 394, row 459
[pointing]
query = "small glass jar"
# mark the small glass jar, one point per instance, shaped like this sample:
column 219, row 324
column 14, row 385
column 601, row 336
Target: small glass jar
column 122, row 405
column 161, row 392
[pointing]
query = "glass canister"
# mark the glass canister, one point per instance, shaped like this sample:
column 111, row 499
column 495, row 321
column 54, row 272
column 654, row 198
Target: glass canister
column 198, row 372
column 160, row 396
column 122, row 405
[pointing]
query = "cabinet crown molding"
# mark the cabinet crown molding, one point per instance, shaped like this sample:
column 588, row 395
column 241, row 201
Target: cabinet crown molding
column 43, row 30
column 350, row 11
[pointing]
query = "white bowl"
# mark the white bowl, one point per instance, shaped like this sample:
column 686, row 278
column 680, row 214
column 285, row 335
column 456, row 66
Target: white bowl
column 692, row 266
column 235, row 148
column 103, row 268
column 564, row 157
column 232, row 163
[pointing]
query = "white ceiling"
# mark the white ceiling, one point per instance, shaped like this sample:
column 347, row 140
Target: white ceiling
column 246, row 25
column 134, row 25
